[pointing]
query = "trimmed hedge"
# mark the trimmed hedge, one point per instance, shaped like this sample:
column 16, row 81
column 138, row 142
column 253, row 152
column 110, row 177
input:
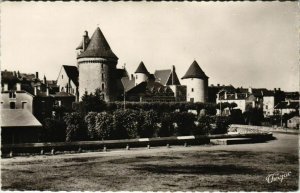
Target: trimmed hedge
column 131, row 124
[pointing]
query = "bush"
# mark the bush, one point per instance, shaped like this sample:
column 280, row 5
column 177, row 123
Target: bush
column 104, row 125
column 204, row 126
column 185, row 123
column 222, row 125
column 76, row 129
column 90, row 120
column 166, row 128
column 54, row 130
column 125, row 124
column 148, row 126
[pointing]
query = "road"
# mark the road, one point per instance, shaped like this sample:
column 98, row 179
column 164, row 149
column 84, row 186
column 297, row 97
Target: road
column 284, row 143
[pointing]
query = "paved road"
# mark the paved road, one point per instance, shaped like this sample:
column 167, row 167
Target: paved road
column 285, row 143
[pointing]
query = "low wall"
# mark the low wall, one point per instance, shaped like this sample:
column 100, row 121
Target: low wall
column 259, row 129
column 142, row 142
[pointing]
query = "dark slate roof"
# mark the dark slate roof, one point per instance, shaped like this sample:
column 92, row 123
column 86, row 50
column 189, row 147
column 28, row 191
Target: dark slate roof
column 128, row 83
column 173, row 79
column 72, row 73
column 62, row 94
column 80, row 46
column 162, row 76
column 195, row 71
column 165, row 77
column 98, row 47
column 121, row 73
column 18, row 118
column 150, row 88
column 287, row 105
column 142, row 68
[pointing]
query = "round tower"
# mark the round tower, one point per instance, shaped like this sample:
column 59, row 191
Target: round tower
column 196, row 83
column 141, row 74
column 97, row 66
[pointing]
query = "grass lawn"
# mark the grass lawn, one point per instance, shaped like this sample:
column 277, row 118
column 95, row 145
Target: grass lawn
column 194, row 170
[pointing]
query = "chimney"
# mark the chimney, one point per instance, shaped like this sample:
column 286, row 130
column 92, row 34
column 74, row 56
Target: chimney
column 218, row 85
column 5, row 87
column 84, row 40
column 279, row 89
column 211, row 84
column 250, row 90
column 37, row 75
column 275, row 89
column 45, row 80
column 18, row 86
column 173, row 78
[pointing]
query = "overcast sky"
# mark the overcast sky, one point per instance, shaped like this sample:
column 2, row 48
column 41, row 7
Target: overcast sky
column 239, row 43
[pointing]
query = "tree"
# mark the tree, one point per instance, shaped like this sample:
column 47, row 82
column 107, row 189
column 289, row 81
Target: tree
column 253, row 116
column 93, row 102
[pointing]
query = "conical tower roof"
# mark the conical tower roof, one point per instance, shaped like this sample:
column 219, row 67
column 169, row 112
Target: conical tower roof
column 142, row 68
column 195, row 71
column 98, row 47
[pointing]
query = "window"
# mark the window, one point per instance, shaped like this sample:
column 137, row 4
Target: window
column 62, row 76
column 12, row 95
column 136, row 76
column 192, row 89
column 101, row 66
column 12, row 105
column 102, row 76
column 24, row 105
column 266, row 106
column 102, row 86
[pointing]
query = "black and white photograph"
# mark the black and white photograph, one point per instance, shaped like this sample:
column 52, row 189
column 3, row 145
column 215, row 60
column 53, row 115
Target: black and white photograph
column 150, row 96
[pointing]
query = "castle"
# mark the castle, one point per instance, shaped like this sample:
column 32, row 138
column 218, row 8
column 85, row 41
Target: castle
column 97, row 69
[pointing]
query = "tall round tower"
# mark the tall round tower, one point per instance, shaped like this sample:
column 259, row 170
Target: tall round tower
column 141, row 73
column 97, row 66
column 196, row 83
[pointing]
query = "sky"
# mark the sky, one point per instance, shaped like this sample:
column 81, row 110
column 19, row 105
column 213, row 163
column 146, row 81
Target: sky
column 249, row 44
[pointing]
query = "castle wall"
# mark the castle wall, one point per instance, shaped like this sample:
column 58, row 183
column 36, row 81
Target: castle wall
column 97, row 73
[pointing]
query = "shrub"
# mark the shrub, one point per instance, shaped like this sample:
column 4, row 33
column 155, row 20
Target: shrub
column 204, row 126
column 75, row 127
column 125, row 124
column 222, row 125
column 90, row 120
column 166, row 128
column 54, row 130
column 104, row 125
column 185, row 123
column 148, row 124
